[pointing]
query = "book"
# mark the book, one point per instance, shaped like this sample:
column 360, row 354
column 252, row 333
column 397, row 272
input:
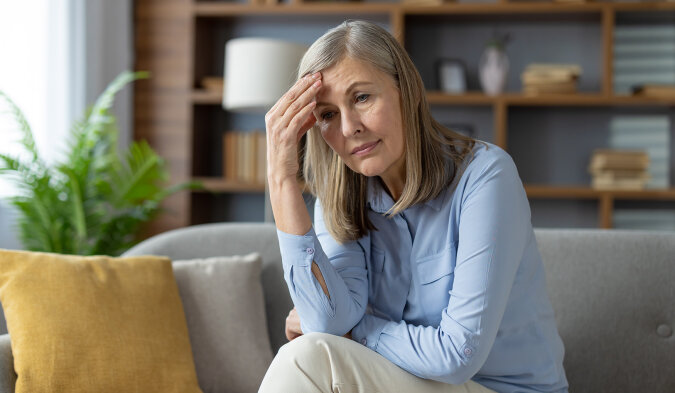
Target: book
column 644, row 48
column 646, row 32
column 614, row 174
column 574, row 69
column 262, row 158
column 230, row 151
column 618, row 184
column 533, row 78
column 648, row 133
column 645, row 219
column 619, row 159
column 550, row 89
column 213, row 83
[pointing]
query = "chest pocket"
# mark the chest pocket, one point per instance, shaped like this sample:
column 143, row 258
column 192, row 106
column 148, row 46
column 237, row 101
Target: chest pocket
column 436, row 267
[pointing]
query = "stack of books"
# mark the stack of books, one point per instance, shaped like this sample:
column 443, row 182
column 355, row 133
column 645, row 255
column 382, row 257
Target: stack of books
column 650, row 133
column 643, row 55
column 213, row 83
column 619, row 169
column 245, row 156
column 550, row 78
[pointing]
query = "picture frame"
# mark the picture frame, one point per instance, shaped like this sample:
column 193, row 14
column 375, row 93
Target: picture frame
column 451, row 74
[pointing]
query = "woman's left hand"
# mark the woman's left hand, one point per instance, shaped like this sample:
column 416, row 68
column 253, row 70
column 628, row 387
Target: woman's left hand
column 293, row 329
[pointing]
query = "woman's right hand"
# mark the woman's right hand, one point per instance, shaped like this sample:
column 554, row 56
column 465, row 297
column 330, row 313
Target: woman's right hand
column 286, row 122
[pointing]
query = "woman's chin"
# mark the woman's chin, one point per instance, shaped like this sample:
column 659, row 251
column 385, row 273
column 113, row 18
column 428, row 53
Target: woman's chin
column 369, row 171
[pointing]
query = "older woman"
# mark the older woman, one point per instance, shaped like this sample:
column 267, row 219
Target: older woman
column 421, row 272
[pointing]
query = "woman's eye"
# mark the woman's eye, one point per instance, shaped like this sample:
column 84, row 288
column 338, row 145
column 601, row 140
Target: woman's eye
column 326, row 116
column 362, row 97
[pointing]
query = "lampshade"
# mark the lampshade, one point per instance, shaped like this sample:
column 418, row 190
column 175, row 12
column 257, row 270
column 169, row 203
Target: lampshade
column 258, row 71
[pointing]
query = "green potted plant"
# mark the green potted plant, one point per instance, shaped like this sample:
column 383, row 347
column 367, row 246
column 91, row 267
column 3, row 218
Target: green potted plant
column 95, row 200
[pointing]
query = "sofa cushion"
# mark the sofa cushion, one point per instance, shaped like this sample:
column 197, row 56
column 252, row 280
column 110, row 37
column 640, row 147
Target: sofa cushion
column 225, row 311
column 95, row 324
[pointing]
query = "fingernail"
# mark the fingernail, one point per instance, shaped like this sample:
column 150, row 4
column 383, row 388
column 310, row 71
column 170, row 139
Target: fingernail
column 316, row 75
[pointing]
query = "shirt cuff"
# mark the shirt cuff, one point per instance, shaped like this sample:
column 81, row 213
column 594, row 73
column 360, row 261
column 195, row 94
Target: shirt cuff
column 298, row 250
column 368, row 331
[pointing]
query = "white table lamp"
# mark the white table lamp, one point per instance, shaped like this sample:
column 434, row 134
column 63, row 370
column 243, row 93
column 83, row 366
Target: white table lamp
column 258, row 71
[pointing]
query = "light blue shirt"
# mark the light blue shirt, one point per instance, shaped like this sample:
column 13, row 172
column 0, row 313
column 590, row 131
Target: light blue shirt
column 452, row 289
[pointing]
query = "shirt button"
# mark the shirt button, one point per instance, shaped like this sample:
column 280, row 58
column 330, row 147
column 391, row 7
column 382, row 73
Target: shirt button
column 310, row 250
column 364, row 341
column 468, row 351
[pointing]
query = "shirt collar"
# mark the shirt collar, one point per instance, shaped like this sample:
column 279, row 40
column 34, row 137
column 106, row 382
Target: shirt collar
column 380, row 201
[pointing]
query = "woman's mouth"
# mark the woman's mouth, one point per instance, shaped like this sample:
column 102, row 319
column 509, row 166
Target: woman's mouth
column 365, row 148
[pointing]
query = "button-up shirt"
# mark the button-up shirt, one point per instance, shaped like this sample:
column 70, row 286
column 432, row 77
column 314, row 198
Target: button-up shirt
column 451, row 289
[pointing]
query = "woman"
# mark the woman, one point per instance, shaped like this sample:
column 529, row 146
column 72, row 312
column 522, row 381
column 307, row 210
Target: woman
column 421, row 272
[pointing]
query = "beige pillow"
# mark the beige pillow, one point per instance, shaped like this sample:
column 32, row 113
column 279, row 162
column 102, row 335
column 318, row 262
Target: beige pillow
column 225, row 311
column 95, row 324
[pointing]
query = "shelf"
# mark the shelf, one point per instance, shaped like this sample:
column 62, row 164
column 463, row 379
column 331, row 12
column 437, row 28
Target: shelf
column 582, row 192
column 204, row 97
column 520, row 99
column 184, row 42
column 228, row 9
column 216, row 184
column 220, row 185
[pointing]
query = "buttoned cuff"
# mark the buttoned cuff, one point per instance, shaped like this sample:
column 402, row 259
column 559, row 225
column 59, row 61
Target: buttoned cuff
column 368, row 331
column 298, row 250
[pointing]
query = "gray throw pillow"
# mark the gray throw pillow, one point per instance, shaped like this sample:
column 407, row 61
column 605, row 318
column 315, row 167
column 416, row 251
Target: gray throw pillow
column 225, row 311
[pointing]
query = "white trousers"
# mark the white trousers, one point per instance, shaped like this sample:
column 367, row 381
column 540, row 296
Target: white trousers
column 323, row 363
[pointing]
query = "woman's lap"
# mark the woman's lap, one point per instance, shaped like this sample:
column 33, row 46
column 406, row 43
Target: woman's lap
column 319, row 362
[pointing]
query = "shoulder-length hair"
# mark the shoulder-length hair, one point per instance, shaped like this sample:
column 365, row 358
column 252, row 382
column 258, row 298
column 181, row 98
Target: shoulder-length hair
column 428, row 144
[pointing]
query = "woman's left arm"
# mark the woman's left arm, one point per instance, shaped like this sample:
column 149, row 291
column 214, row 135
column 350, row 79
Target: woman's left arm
column 494, row 227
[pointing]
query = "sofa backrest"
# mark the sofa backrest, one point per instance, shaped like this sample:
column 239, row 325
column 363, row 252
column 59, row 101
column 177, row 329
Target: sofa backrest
column 613, row 292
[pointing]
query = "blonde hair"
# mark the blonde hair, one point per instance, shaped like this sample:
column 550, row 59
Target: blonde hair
column 428, row 144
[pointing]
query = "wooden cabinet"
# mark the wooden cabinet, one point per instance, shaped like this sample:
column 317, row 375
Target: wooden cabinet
column 550, row 137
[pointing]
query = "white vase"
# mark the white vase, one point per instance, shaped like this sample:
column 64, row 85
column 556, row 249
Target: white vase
column 493, row 69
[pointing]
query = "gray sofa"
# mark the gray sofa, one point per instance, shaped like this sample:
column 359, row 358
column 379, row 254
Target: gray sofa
column 613, row 293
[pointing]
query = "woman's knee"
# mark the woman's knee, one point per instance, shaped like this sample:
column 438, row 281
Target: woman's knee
column 311, row 347
column 301, row 365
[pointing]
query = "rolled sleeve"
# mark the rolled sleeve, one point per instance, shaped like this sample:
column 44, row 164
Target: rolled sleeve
column 343, row 271
column 298, row 250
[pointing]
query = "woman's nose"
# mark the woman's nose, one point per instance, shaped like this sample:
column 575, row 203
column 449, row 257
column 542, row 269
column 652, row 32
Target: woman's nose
column 351, row 123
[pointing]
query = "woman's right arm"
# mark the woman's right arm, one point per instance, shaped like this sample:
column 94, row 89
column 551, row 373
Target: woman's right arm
column 325, row 300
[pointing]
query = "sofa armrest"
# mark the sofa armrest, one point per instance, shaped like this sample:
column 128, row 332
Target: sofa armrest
column 7, row 374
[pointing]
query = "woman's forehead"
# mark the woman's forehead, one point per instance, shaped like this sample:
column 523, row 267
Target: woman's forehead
column 348, row 68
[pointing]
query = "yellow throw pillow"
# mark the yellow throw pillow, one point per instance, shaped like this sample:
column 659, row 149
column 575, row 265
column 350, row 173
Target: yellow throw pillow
column 95, row 324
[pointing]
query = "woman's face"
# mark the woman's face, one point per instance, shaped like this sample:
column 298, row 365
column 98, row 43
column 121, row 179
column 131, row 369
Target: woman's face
column 359, row 114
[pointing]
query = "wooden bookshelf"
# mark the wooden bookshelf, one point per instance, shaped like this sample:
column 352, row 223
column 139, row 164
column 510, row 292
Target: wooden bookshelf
column 170, row 110
column 203, row 97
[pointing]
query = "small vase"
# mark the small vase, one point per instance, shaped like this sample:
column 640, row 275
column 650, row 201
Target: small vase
column 493, row 69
